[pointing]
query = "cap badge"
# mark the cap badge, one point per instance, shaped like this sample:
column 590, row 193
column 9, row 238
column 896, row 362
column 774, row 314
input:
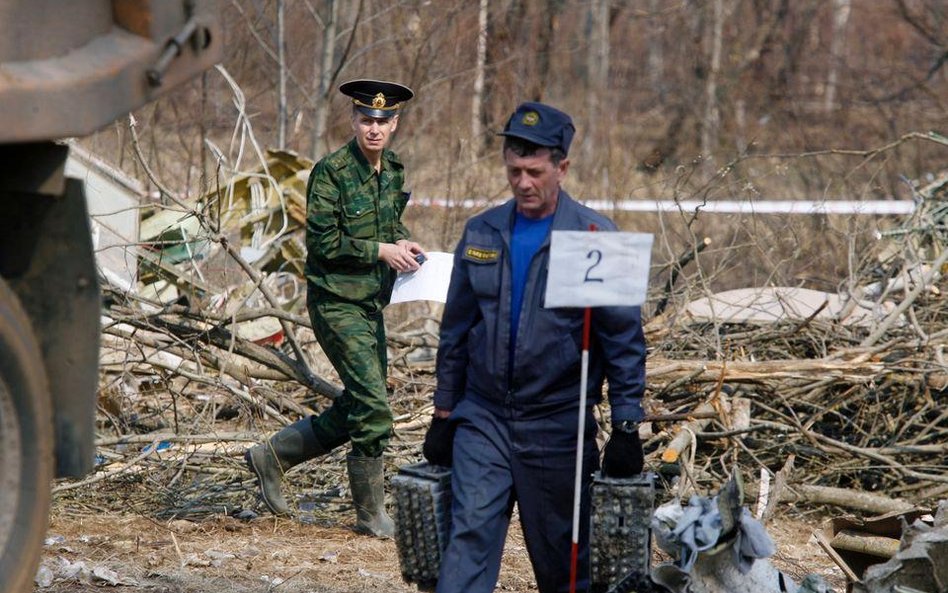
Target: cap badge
column 530, row 118
column 378, row 102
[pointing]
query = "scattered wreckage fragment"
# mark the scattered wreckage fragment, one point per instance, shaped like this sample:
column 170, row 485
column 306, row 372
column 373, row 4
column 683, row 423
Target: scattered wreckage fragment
column 899, row 552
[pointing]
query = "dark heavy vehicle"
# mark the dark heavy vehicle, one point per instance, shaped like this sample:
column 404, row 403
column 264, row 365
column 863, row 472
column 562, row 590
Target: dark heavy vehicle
column 67, row 68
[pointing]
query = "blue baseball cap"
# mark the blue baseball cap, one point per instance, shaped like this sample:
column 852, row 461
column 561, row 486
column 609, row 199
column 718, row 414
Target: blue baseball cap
column 542, row 125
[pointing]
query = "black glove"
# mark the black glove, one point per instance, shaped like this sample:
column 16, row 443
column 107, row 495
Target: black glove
column 439, row 442
column 623, row 457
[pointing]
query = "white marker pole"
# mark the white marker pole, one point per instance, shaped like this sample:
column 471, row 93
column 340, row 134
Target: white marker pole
column 601, row 270
column 580, row 431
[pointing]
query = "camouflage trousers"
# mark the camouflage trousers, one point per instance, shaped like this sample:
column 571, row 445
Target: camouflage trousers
column 353, row 339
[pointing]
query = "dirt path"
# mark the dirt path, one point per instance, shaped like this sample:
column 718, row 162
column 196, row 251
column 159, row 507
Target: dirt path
column 85, row 553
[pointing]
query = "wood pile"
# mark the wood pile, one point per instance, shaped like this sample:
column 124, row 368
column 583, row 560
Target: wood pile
column 850, row 415
column 858, row 410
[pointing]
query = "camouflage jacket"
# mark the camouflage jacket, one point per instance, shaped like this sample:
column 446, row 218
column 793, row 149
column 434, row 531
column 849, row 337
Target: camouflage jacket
column 350, row 210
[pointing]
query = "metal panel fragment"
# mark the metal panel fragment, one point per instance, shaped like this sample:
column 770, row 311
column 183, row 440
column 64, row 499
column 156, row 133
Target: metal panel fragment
column 620, row 533
column 422, row 520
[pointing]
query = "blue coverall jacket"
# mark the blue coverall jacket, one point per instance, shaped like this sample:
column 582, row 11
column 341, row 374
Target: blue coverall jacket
column 473, row 355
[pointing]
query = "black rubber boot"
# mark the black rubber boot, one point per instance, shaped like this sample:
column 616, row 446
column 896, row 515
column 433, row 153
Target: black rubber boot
column 270, row 460
column 368, row 496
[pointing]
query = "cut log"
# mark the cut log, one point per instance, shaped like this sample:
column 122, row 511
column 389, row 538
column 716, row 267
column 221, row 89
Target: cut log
column 863, row 543
column 844, row 497
column 680, row 442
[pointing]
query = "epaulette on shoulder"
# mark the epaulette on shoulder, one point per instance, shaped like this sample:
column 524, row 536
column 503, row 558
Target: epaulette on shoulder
column 338, row 159
column 591, row 216
column 393, row 158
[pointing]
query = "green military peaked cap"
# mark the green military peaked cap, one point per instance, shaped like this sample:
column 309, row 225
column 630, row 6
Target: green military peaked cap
column 376, row 98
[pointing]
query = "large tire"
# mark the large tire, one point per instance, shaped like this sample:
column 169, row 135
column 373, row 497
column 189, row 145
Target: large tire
column 26, row 447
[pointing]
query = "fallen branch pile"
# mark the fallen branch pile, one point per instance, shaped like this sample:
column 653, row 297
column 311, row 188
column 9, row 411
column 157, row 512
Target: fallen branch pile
column 859, row 410
column 864, row 420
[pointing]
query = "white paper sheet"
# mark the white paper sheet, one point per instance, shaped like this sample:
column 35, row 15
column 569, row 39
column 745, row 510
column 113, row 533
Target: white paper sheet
column 428, row 283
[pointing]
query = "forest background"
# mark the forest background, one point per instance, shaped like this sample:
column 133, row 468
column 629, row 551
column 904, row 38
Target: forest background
column 674, row 100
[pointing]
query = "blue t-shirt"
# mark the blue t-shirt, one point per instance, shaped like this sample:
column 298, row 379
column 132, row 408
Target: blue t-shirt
column 528, row 234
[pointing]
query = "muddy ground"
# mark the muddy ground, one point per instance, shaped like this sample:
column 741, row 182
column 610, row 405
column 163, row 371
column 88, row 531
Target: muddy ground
column 119, row 552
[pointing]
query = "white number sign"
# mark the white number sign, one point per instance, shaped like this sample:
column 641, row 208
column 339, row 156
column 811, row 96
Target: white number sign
column 596, row 269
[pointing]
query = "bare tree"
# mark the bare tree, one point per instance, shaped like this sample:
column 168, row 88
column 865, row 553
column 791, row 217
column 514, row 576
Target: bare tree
column 547, row 19
column 281, row 58
column 477, row 98
column 933, row 33
column 329, row 66
column 692, row 77
column 712, row 115
column 597, row 68
column 841, row 10
column 323, row 76
column 655, row 57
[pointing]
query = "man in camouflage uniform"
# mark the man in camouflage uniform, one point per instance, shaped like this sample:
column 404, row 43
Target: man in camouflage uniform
column 356, row 244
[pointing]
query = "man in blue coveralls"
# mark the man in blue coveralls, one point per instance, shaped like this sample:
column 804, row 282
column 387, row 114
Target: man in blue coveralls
column 509, row 375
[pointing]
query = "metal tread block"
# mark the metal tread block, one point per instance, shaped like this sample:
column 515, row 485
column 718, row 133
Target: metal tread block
column 620, row 534
column 422, row 494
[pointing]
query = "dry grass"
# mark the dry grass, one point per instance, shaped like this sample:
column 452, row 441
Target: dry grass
column 267, row 554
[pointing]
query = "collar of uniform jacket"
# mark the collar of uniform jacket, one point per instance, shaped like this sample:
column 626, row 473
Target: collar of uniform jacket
column 362, row 164
column 564, row 218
